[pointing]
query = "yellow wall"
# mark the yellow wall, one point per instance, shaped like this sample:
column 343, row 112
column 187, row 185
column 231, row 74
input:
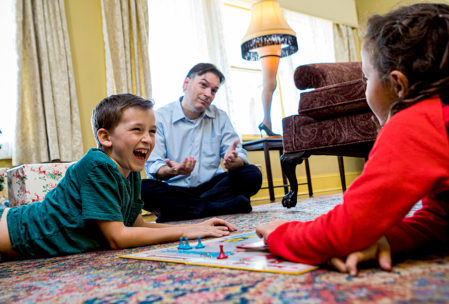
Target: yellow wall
column 366, row 8
column 84, row 24
column 341, row 11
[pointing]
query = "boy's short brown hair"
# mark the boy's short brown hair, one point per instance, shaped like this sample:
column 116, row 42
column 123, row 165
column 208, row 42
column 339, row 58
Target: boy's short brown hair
column 108, row 112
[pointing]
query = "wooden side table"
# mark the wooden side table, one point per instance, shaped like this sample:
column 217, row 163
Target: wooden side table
column 275, row 143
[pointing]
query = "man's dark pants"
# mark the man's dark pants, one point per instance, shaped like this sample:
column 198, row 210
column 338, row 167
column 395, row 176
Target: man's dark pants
column 226, row 193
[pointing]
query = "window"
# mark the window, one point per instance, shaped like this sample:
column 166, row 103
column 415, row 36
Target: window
column 8, row 77
column 177, row 43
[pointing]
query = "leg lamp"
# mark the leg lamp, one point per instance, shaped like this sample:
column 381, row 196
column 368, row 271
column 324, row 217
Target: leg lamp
column 268, row 38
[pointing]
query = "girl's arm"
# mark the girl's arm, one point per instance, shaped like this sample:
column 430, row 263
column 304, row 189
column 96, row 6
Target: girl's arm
column 428, row 228
column 142, row 234
column 409, row 161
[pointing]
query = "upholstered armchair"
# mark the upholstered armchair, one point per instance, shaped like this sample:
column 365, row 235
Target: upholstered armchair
column 332, row 119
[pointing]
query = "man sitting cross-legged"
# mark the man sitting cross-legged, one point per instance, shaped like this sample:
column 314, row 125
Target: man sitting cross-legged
column 185, row 178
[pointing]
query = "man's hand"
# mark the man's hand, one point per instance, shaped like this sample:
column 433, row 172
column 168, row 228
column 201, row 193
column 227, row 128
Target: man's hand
column 231, row 159
column 380, row 250
column 184, row 168
column 174, row 168
column 264, row 230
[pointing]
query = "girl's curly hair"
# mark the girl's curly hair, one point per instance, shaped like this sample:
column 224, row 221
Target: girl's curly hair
column 415, row 41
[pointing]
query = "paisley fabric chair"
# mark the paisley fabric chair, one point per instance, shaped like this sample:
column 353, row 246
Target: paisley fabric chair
column 333, row 119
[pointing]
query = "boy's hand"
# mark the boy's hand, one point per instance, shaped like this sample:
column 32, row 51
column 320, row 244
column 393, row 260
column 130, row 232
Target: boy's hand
column 211, row 228
column 264, row 230
column 218, row 222
column 184, row 168
column 231, row 159
column 380, row 250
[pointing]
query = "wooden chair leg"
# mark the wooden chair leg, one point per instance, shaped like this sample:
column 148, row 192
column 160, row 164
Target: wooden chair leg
column 289, row 163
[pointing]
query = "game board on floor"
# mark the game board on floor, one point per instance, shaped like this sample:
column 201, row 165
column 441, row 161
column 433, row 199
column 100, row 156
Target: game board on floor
column 244, row 251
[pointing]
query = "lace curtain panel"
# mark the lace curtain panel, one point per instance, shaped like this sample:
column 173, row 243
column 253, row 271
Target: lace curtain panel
column 182, row 34
column 125, row 31
column 48, row 123
column 345, row 43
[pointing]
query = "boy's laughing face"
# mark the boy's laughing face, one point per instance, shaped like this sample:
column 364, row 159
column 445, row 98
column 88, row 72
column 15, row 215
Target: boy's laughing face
column 129, row 145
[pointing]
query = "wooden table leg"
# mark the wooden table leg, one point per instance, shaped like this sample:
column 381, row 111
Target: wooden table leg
column 341, row 167
column 309, row 179
column 284, row 178
column 266, row 152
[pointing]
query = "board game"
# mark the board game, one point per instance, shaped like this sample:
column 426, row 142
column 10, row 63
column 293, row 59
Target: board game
column 243, row 251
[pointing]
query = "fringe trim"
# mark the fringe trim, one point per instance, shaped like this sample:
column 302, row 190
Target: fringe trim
column 248, row 47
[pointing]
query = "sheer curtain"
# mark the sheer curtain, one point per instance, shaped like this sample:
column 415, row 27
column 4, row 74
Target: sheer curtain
column 8, row 77
column 48, row 123
column 125, row 31
column 182, row 34
column 345, row 43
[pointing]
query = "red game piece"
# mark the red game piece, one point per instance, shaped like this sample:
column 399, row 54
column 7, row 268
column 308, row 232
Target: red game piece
column 222, row 255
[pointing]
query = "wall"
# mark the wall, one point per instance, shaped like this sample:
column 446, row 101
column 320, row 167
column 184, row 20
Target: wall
column 366, row 8
column 341, row 11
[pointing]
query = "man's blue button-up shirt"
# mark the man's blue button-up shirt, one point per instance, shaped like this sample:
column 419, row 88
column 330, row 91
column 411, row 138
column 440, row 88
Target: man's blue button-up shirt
column 206, row 139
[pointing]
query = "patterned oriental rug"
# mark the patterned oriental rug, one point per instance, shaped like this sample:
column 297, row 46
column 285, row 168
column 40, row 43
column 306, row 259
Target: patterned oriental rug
column 103, row 277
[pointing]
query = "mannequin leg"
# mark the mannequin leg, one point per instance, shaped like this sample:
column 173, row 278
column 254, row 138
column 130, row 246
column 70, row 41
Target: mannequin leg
column 269, row 69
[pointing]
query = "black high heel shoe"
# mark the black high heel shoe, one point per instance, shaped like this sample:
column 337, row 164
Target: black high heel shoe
column 267, row 130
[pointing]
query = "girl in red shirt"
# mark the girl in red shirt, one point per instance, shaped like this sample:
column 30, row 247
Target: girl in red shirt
column 405, row 60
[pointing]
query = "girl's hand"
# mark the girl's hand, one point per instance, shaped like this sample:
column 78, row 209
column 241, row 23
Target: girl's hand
column 264, row 230
column 380, row 250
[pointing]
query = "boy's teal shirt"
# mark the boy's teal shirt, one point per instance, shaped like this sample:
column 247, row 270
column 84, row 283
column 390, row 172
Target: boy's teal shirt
column 65, row 221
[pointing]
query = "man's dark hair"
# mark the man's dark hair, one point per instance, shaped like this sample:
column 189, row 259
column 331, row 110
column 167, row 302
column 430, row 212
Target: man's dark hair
column 108, row 112
column 203, row 68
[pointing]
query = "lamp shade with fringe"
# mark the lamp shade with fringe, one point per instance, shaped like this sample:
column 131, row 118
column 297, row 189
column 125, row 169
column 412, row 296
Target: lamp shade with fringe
column 268, row 28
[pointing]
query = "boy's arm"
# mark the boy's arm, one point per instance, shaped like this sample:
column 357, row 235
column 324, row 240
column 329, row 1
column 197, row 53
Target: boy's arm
column 141, row 223
column 120, row 236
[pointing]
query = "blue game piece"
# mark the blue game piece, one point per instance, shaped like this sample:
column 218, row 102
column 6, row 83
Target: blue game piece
column 199, row 245
column 186, row 244
column 181, row 244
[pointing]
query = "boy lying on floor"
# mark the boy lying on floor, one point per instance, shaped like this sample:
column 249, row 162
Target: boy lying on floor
column 97, row 204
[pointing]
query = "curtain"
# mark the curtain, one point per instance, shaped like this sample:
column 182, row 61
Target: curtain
column 345, row 43
column 125, row 31
column 210, row 12
column 186, row 32
column 48, row 123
